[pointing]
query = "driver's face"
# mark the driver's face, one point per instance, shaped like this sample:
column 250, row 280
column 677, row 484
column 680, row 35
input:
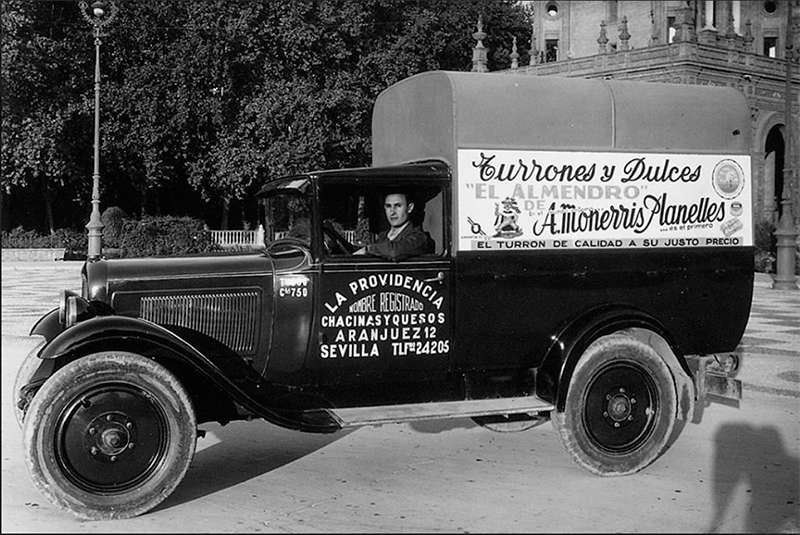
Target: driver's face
column 397, row 209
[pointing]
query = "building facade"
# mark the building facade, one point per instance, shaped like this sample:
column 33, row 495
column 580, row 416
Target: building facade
column 736, row 43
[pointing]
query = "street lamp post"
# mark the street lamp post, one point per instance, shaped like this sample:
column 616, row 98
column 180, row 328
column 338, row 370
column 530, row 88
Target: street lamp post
column 98, row 18
column 785, row 234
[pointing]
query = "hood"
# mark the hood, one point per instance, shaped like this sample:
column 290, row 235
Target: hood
column 226, row 298
column 104, row 277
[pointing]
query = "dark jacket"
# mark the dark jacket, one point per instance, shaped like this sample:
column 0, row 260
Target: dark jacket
column 412, row 241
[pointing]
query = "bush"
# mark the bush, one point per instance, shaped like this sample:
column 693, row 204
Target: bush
column 764, row 262
column 25, row 239
column 165, row 236
column 152, row 236
column 113, row 218
column 765, row 246
column 30, row 239
column 74, row 242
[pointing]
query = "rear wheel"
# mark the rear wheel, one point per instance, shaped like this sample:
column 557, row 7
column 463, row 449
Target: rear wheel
column 109, row 435
column 620, row 407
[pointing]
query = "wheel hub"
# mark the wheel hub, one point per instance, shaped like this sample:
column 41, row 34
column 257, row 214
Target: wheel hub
column 110, row 435
column 619, row 407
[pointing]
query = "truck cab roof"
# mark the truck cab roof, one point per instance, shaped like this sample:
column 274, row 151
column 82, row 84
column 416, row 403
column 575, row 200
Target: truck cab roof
column 429, row 169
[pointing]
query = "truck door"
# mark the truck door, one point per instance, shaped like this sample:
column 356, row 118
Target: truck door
column 376, row 317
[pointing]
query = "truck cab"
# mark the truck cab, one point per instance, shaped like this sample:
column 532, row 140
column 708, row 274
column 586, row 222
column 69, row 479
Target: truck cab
column 588, row 260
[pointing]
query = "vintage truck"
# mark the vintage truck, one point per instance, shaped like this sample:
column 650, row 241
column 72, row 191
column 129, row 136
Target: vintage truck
column 592, row 264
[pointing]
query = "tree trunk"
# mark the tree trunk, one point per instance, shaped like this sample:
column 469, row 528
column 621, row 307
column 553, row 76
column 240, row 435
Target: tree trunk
column 3, row 211
column 48, row 207
column 240, row 216
column 143, row 203
column 226, row 205
column 157, row 202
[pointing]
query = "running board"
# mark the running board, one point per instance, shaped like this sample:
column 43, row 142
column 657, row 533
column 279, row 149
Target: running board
column 390, row 414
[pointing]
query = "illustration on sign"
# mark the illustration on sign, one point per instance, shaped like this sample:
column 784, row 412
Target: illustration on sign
column 385, row 315
column 550, row 199
column 505, row 222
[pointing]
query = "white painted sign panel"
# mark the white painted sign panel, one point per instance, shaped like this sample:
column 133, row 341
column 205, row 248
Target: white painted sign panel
column 511, row 199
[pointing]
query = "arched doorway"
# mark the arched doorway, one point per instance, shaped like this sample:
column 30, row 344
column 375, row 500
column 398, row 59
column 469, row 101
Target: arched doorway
column 774, row 150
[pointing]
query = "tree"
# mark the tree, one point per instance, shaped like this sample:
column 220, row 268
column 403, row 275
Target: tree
column 40, row 102
column 214, row 98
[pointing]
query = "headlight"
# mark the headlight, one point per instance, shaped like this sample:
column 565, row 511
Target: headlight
column 71, row 308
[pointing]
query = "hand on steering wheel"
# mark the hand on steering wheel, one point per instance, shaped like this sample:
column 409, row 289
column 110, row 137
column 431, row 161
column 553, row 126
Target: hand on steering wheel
column 338, row 241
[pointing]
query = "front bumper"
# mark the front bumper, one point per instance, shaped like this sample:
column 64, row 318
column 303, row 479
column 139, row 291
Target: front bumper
column 714, row 380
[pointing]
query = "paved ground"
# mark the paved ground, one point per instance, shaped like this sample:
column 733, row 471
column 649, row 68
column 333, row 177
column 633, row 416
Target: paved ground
column 737, row 471
column 770, row 346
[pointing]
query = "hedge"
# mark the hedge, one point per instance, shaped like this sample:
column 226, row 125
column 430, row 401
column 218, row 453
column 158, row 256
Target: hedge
column 165, row 236
column 113, row 219
column 70, row 239
column 152, row 236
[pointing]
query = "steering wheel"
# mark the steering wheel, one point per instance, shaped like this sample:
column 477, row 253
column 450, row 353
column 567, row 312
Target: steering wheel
column 336, row 241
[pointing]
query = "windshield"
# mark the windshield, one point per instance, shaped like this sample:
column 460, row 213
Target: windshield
column 287, row 217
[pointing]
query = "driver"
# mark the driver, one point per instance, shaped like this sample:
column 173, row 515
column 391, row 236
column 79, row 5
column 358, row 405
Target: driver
column 403, row 239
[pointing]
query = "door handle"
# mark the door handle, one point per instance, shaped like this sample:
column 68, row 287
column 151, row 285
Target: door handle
column 438, row 278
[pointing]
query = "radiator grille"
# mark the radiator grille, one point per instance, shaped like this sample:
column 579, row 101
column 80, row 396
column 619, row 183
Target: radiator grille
column 229, row 317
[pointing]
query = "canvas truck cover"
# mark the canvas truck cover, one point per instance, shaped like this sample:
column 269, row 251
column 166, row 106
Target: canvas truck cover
column 543, row 162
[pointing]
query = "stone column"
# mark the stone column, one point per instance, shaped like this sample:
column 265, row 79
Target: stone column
column 602, row 41
column 624, row 36
column 479, row 53
column 748, row 37
column 708, row 33
column 708, row 15
column 534, row 59
column 768, row 182
column 514, row 54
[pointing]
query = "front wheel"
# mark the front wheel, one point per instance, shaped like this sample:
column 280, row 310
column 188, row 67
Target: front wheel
column 109, row 435
column 620, row 407
column 26, row 371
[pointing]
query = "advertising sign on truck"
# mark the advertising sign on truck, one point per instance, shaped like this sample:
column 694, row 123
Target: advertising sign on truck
column 515, row 199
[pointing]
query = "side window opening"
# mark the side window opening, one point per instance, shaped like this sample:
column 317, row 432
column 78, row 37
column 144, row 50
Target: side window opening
column 433, row 221
column 286, row 215
column 357, row 213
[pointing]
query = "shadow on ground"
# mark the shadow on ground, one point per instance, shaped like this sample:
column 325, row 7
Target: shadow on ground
column 245, row 450
column 441, row 425
column 498, row 425
column 755, row 458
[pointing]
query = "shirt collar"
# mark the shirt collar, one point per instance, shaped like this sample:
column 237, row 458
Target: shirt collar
column 397, row 232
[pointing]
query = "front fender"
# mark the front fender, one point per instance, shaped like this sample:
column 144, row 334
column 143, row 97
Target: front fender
column 278, row 404
column 568, row 345
column 48, row 326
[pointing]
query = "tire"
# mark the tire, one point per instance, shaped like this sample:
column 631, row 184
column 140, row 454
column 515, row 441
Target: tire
column 26, row 370
column 620, row 407
column 109, row 435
